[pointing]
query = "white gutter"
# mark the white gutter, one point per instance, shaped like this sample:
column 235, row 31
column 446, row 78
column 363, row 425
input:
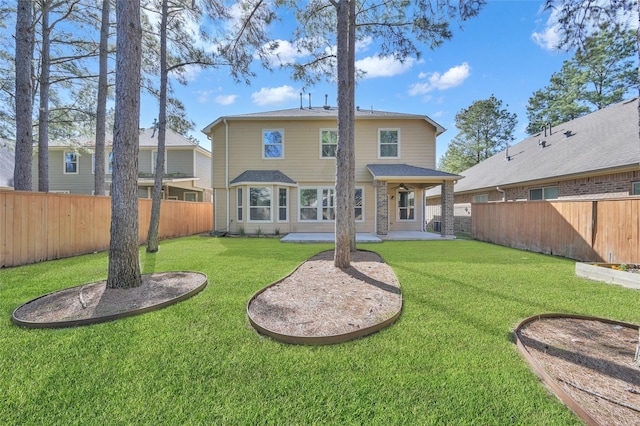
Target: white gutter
column 504, row 193
column 226, row 169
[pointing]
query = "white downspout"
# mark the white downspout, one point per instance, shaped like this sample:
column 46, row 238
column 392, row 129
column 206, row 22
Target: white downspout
column 504, row 193
column 226, row 169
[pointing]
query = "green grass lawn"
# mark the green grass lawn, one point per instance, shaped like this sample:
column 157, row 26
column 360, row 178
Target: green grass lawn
column 449, row 359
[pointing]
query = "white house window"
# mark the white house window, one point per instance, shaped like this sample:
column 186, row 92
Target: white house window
column 546, row 193
column 635, row 188
column 481, row 198
column 239, row 204
column 283, row 203
column 273, row 143
column 328, row 204
column 191, row 196
column 328, row 143
column 108, row 163
column 318, row 204
column 260, row 204
column 154, row 161
column 70, row 163
column 406, row 205
column 359, row 213
column 389, row 143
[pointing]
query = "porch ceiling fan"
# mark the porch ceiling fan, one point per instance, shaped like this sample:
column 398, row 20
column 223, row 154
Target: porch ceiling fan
column 402, row 186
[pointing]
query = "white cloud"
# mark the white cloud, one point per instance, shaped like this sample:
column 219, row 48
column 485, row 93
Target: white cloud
column 274, row 95
column 383, row 66
column 550, row 36
column 453, row 77
column 203, row 95
column 225, row 99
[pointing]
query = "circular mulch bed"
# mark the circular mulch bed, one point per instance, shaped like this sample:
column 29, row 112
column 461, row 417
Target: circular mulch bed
column 320, row 304
column 95, row 303
column 588, row 363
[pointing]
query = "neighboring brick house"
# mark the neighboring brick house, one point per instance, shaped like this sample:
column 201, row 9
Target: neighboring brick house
column 592, row 157
column 187, row 174
column 274, row 172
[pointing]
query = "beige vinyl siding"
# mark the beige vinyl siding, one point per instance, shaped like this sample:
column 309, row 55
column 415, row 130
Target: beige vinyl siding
column 303, row 164
column 301, row 147
column 203, row 170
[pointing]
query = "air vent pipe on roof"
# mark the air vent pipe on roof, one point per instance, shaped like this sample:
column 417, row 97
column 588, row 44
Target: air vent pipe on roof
column 326, row 101
column 310, row 101
column 301, row 101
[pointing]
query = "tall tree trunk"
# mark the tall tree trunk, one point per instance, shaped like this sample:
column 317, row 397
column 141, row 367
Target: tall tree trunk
column 156, row 203
column 345, row 219
column 101, row 109
column 352, row 128
column 43, row 113
column 22, row 180
column 637, row 357
column 124, row 266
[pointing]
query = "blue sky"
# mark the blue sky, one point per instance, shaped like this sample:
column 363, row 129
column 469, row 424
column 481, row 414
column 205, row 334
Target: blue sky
column 507, row 51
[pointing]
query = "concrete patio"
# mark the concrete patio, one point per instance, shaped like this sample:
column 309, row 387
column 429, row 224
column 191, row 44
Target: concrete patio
column 329, row 237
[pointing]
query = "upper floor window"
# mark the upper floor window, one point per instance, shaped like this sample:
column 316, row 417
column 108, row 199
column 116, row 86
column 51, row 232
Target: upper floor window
column 328, row 143
column 481, row 198
column 635, row 188
column 260, row 204
column 546, row 193
column 389, row 143
column 273, row 143
column 70, row 163
column 406, row 205
column 109, row 163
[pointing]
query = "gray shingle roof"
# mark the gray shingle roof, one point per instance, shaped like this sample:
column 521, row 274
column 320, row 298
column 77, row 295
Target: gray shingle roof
column 148, row 138
column 407, row 171
column 262, row 176
column 603, row 140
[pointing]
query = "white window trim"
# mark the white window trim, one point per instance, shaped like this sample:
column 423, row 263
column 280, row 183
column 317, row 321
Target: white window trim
column 64, row 163
column 249, row 220
column 263, row 144
column 327, row 129
column 286, row 220
column 184, row 195
column 319, row 206
column 543, row 188
column 363, row 204
column 172, row 197
column 60, row 191
column 239, row 205
column 154, row 154
column 107, row 154
column 380, row 130
column 415, row 212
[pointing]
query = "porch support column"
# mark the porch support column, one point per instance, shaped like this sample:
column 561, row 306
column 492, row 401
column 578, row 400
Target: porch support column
column 382, row 208
column 447, row 228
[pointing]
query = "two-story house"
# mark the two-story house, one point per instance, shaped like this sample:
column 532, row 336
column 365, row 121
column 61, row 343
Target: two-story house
column 274, row 172
column 187, row 173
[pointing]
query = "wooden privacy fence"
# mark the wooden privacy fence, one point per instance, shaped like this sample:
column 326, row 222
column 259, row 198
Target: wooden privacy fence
column 592, row 230
column 36, row 226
